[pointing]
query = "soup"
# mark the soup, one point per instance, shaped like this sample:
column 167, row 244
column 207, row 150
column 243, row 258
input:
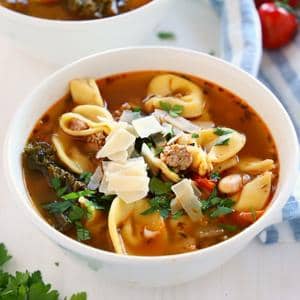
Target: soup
column 72, row 9
column 150, row 163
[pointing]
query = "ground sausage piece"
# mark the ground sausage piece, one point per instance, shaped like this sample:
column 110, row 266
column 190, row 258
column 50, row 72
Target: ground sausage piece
column 77, row 125
column 177, row 157
column 97, row 139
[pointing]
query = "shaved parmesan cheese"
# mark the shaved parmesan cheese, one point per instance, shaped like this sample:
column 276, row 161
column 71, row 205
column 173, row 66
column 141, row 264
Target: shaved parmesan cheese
column 189, row 201
column 127, row 183
column 116, row 144
column 178, row 122
column 129, row 180
column 175, row 206
column 118, row 156
column 95, row 179
column 146, row 126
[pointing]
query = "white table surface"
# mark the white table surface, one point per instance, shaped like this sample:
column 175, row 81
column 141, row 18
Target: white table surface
column 258, row 272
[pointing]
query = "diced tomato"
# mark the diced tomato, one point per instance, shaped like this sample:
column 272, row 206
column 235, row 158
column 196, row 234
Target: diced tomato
column 204, row 183
column 244, row 219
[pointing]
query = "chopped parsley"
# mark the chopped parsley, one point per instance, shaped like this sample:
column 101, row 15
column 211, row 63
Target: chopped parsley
column 162, row 195
column 166, row 35
column 85, row 177
column 159, row 187
column 26, row 285
column 174, row 111
column 216, row 206
column 229, row 227
column 159, row 204
column 137, row 109
column 178, row 214
column 72, row 211
column 220, row 131
column 222, row 142
column 83, row 234
column 4, row 256
column 215, row 176
column 195, row 135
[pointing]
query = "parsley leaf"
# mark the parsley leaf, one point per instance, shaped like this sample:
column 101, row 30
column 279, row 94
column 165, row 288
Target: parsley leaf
column 215, row 176
column 166, row 35
column 195, row 135
column 4, row 256
column 159, row 187
column 174, row 111
column 58, row 207
column 229, row 227
column 83, row 234
column 76, row 213
column 137, row 109
column 216, row 206
column 159, row 204
column 221, row 211
column 77, row 195
column 220, row 131
column 178, row 214
column 55, row 183
column 85, row 177
column 222, row 142
column 79, row 296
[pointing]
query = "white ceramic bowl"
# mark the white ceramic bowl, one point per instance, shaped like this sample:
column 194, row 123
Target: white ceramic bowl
column 162, row 270
column 61, row 42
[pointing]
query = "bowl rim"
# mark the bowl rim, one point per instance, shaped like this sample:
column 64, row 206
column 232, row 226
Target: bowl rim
column 95, row 253
column 56, row 23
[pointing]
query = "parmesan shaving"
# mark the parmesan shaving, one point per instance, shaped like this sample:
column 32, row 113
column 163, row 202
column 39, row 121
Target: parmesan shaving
column 146, row 126
column 117, row 145
column 189, row 201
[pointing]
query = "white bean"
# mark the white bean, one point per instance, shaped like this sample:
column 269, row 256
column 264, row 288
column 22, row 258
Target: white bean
column 231, row 184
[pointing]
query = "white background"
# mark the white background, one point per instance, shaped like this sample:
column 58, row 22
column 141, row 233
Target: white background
column 259, row 272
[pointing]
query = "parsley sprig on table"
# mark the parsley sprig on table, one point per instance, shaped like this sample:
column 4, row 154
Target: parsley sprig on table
column 26, row 285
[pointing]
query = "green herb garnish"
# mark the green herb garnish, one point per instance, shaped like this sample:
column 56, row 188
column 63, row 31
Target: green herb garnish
column 174, row 111
column 85, row 177
column 216, row 206
column 215, row 176
column 4, row 256
column 83, row 234
column 159, row 187
column 26, row 285
column 159, row 204
column 136, row 109
column 178, row 214
column 219, row 131
column 58, row 207
column 221, row 211
column 195, row 135
column 222, row 142
column 166, row 35
column 228, row 227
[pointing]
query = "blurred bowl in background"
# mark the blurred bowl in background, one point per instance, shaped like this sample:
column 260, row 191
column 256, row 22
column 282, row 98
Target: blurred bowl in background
column 61, row 42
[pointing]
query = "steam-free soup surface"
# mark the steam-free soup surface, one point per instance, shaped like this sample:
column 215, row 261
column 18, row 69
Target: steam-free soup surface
column 73, row 9
column 152, row 226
